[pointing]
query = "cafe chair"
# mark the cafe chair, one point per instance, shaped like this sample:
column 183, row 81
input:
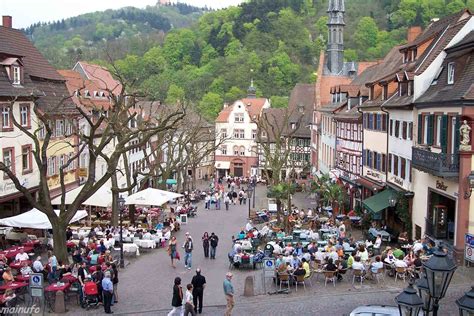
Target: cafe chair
column 379, row 275
column 300, row 279
column 330, row 276
column 284, row 278
column 401, row 273
column 358, row 274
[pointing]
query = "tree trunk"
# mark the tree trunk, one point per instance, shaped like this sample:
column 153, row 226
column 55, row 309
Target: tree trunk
column 278, row 202
column 59, row 240
column 193, row 186
column 131, row 213
column 115, row 195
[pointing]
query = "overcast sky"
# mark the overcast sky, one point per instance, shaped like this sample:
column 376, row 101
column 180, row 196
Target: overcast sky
column 27, row 12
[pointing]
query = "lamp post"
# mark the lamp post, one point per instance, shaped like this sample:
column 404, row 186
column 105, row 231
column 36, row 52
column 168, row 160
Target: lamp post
column 423, row 292
column 121, row 202
column 466, row 303
column 409, row 304
column 439, row 271
column 249, row 193
column 254, row 184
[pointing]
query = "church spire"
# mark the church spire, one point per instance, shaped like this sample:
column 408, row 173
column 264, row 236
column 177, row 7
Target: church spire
column 335, row 47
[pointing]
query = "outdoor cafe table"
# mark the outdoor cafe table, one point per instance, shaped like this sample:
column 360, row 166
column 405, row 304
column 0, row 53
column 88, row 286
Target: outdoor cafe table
column 69, row 278
column 31, row 243
column 57, row 287
column 145, row 243
column 18, row 264
column 11, row 252
column 13, row 286
column 374, row 232
column 23, row 278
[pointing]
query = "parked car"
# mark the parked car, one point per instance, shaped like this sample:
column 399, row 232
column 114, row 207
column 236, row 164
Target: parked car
column 376, row 310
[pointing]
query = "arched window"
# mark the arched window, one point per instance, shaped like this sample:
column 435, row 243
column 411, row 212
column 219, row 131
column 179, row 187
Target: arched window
column 236, row 150
column 242, row 150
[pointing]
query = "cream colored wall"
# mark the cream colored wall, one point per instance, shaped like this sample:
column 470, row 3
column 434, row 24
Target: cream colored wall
column 375, row 141
column 423, row 181
column 56, row 148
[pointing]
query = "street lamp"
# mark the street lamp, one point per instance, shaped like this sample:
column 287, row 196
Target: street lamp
column 409, row 304
column 121, row 203
column 439, row 270
column 423, row 292
column 392, row 200
column 249, row 193
column 466, row 303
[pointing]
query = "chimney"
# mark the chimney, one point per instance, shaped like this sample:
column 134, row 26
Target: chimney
column 7, row 21
column 413, row 33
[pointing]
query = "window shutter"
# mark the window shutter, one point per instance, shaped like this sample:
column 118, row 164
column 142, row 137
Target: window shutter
column 384, row 157
column 430, row 129
column 444, row 134
column 391, row 127
column 420, row 129
column 456, row 135
column 404, row 131
column 389, row 162
column 384, row 122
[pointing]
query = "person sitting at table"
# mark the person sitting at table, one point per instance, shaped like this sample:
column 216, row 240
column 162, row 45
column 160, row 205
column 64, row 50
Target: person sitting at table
column 8, row 276
column 3, row 260
column 102, row 247
column 332, row 254
column 417, row 246
column 409, row 258
column 375, row 266
column 350, row 259
column 358, row 265
column 7, row 297
column 289, row 249
column 295, row 261
column 82, row 243
column 363, row 253
column 403, row 237
column 397, row 252
column 378, row 243
column 330, row 266
column 22, row 256
column 340, row 251
column 390, row 258
column 298, row 249
column 319, row 256
column 299, row 270
column 306, row 267
column 417, row 263
column 25, row 269
column 399, row 263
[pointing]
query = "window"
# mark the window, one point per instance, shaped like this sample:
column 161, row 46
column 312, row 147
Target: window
column 378, row 125
column 451, row 68
column 378, row 161
column 395, row 165
column 6, row 121
column 51, row 166
column 239, row 133
column 371, row 121
column 404, row 130
column 402, row 168
column 264, row 134
column 62, row 161
column 25, row 115
column 239, row 117
column 410, row 130
column 397, row 129
column 293, row 125
column 242, row 150
column 391, row 127
column 410, row 88
column 385, row 92
column 390, row 162
column 236, row 150
column 26, row 158
column 254, row 133
column 426, row 120
column 133, row 122
column 67, row 128
column 438, row 123
column 9, row 159
column 224, row 132
column 59, row 128
column 41, row 131
column 16, row 75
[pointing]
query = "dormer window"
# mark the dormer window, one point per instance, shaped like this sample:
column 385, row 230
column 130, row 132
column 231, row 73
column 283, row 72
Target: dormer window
column 371, row 93
column 384, row 92
column 451, row 68
column 16, row 75
column 413, row 54
column 405, row 56
column 410, row 88
column 87, row 94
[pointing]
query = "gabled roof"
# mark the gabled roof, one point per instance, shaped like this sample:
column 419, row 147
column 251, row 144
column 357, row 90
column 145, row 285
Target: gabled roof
column 253, row 106
column 100, row 75
column 14, row 42
column 303, row 97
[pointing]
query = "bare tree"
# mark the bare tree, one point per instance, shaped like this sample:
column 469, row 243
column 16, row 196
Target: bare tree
column 108, row 126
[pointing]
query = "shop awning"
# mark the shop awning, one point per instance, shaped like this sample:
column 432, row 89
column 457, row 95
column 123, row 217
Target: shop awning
column 379, row 201
column 222, row 165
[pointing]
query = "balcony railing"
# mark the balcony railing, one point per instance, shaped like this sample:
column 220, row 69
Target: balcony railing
column 438, row 164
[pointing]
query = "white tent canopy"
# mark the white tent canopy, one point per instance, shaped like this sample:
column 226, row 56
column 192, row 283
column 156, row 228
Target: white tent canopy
column 102, row 197
column 151, row 196
column 36, row 219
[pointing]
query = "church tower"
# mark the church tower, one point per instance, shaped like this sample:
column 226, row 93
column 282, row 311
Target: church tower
column 335, row 46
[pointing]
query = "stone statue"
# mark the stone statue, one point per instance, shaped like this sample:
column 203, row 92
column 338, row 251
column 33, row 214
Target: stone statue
column 465, row 141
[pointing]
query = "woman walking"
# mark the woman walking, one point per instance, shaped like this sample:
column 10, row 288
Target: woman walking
column 172, row 251
column 115, row 281
column 177, row 300
column 205, row 244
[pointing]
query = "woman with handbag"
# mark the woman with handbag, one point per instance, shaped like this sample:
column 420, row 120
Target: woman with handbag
column 172, row 250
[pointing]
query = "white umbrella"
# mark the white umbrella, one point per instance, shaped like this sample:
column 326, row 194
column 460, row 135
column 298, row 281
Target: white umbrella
column 36, row 219
column 102, row 197
column 151, row 196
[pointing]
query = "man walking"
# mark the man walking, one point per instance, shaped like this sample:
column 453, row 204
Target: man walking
column 107, row 291
column 188, row 251
column 213, row 240
column 227, row 202
column 177, row 300
column 229, row 293
column 199, row 283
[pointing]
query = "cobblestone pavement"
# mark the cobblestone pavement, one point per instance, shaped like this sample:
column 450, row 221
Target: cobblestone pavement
column 146, row 284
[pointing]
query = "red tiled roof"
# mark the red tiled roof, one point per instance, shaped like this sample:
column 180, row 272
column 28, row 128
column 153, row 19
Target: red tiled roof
column 254, row 106
column 223, row 116
column 102, row 77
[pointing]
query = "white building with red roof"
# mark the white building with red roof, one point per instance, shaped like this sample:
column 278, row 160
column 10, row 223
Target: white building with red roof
column 237, row 155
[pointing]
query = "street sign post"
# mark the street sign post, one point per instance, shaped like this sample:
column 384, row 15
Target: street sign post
column 469, row 248
column 268, row 270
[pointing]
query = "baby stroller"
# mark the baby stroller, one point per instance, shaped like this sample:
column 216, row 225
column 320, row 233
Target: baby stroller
column 91, row 295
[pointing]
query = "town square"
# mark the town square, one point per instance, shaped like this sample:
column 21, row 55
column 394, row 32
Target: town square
column 269, row 157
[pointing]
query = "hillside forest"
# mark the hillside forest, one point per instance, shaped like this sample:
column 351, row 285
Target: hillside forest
column 176, row 53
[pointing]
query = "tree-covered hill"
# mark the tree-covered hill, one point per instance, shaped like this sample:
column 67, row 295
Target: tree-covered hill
column 87, row 36
column 274, row 42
